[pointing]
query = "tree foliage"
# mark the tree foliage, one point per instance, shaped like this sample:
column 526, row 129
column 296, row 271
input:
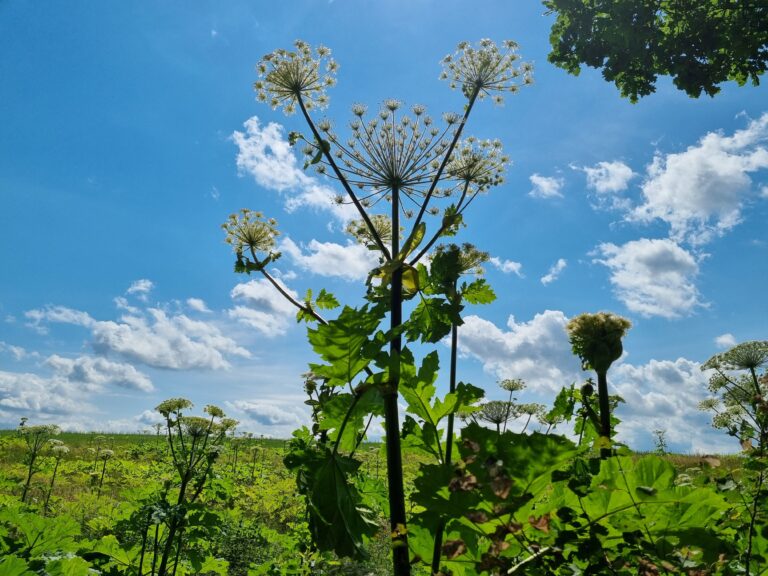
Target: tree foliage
column 699, row 43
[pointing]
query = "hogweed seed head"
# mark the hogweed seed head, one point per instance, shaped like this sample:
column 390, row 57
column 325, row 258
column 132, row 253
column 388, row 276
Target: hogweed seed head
column 393, row 150
column 59, row 450
column 479, row 163
column 466, row 259
column 173, row 406
column 486, row 68
column 195, row 426
column 359, row 230
column 512, row 384
column 287, row 75
column 744, row 356
column 214, row 411
column 250, row 230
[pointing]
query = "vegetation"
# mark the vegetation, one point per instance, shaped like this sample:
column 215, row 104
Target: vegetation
column 488, row 500
column 479, row 500
column 699, row 43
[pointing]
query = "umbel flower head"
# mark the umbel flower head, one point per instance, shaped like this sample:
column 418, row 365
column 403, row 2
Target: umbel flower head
column 466, row 259
column 389, row 151
column 251, row 231
column 478, row 163
column 381, row 224
column 287, row 76
column 744, row 356
column 596, row 339
column 486, row 69
column 173, row 406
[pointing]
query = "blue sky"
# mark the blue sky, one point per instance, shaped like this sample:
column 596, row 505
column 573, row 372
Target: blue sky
column 130, row 132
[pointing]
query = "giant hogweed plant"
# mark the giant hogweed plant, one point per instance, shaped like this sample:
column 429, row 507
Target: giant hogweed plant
column 739, row 403
column 496, row 501
column 195, row 444
column 410, row 180
column 597, row 340
column 36, row 438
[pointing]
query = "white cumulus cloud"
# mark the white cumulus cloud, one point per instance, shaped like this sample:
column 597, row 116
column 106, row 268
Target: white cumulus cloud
column 350, row 261
column 151, row 337
column 554, row 271
column 265, row 154
column 726, row 340
column 94, row 372
column 537, row 351
column 608, row 177
column 141, row 289
column 23, row 394
column 700, row 193
column 198, row 305
column 18, row 352
column 507, row 266
column 263, row 307
column 546, row 186
column 664, row 395
column 652, row 277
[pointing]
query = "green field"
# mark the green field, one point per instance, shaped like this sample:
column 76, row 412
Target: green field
column 110, row 513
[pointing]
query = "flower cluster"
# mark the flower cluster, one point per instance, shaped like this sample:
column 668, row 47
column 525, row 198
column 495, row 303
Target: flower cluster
column 478, row 163
column 596, row 339
column 360, row 231
column 744, row 356
column 486, row 68
column 287, row 77
column 173, row 406
column 390, row 151
column 466, row 259
column 58, row 448
column 250, row 230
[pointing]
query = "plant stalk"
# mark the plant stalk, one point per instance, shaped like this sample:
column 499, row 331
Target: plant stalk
column 397, row 516
column 605, row 412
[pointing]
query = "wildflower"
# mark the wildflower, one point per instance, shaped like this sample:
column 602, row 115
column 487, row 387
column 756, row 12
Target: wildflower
column 744, row 356
column 106, row 454
column 60, row 450
column 392, row 151
column 250, row 230
column 173, row 405
column 214, row 411
column 359, row 230
column 465, row 259
column 486, row 68
column 289, row 77
column 196, row 427
column 480, row 164
column 596, row 339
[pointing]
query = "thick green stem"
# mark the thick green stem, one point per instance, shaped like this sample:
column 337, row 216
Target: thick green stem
column 397, row 518
column 144, row 543
column 30, row 473
column 605, row 412
column 437, row 549
column 101, row 480
column 50, row 488
column 173, row 527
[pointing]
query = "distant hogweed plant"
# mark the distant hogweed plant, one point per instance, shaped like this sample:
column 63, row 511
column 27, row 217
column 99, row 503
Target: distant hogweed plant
column 35, row 438
column 739, row 387
column 597, row 340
